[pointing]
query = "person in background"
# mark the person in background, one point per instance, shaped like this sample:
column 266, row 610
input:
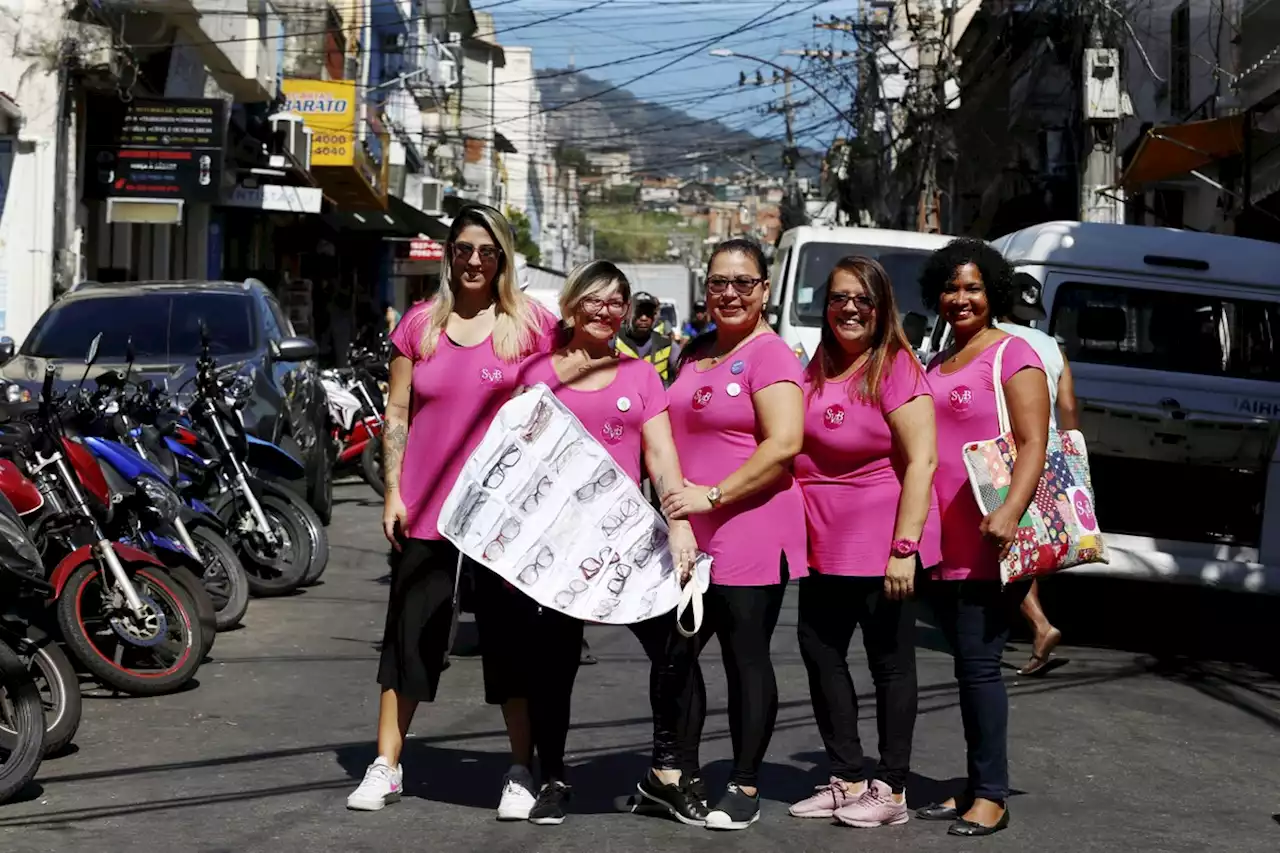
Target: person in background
column 622, row 403
column 699, row 323
column 392, row 316
column 970, row 284
column 866, row 474
column 638, row 338
column 1063, row 414
column 454, row 363
column 737, row 413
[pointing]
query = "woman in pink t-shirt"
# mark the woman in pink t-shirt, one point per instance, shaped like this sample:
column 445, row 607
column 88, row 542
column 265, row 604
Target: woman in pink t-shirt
column 622, row 403
column 866, row 473
column 971, row 285
column 737, row 412
column 454, row 363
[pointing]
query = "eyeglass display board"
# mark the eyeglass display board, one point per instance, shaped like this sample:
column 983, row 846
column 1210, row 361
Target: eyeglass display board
column 543, row 505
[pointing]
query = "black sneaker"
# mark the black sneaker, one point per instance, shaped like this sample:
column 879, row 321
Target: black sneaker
column 679, row 800
column 696, row 786
column 548, row 810
column 735, row 810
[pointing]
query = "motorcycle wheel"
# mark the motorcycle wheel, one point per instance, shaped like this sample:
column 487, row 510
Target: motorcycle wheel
column 225, row 578
column 371, row 466
column 271, row 576
column 96, row 633
column 21, row 710
column 319, row 537
column 206, row 613
column 59, row 687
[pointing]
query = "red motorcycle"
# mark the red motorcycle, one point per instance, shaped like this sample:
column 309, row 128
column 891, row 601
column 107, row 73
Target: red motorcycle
column 356, row 414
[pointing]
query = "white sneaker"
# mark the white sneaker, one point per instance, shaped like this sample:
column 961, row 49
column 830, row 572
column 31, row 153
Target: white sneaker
column 517, row 794
column 381, row 786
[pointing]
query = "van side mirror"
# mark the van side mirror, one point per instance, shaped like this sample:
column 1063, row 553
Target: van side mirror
column 7, row 348
column 916, row 327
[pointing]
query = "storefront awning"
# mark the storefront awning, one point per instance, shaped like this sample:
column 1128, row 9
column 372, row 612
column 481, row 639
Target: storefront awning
column 1176, row 150
column 400, row 219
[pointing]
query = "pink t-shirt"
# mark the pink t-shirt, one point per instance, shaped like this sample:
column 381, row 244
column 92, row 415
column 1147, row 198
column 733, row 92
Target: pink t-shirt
column 456, row 393
column 614, row 414
column 851, row 478
column 964, row 404
column 715, row 429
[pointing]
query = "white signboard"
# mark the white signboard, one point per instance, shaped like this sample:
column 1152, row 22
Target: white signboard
column 543, row 505
column 277, row 197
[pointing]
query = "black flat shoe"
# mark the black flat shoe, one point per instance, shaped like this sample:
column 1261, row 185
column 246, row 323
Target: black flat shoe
column 937, row 811
column 969, row 829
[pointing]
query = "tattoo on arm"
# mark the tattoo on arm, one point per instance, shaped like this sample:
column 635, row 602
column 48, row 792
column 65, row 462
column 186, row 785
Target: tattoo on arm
column 661, row 483
column 393, row 444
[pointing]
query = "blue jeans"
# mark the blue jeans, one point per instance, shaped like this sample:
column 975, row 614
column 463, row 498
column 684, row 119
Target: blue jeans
column 975, row 618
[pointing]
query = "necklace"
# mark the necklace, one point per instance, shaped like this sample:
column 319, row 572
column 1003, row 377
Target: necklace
column 972, row 343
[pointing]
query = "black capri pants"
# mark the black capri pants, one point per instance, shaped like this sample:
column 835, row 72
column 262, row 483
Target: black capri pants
column 415, row 639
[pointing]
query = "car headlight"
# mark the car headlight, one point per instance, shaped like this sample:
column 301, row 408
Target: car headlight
column 13, row 393
column 163, row 499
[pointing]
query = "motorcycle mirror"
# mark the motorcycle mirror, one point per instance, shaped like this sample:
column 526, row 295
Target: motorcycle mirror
column 92, row 355
column 46, row 392
column 204, row 334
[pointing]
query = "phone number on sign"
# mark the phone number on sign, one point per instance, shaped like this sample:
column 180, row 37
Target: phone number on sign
column 331, row 145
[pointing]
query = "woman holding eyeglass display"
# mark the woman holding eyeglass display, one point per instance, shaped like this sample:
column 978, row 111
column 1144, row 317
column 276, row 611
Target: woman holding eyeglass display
column 454, row 363
column 866, row 473
column 737, row 413
column 622, row 403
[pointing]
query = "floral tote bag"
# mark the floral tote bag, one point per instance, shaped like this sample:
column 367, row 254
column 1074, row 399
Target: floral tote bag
column 1060, row 528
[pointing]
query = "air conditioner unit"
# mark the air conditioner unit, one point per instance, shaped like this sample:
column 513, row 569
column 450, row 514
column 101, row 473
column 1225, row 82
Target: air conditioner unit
column 294, row 136
column 447, row 73
column 432, row 196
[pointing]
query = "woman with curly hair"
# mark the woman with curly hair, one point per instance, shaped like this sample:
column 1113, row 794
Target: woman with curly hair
column 971, row 285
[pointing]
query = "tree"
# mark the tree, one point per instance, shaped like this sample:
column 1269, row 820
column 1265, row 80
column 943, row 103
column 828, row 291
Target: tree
column 524, row 236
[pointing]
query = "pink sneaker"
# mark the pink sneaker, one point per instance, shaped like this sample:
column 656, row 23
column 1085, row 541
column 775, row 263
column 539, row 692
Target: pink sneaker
column 825, row 801
column 876, row 807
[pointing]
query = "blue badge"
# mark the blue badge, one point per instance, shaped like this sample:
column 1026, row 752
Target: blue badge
column 737, row 367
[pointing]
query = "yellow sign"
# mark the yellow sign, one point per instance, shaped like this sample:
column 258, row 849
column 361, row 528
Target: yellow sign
column 329, row 109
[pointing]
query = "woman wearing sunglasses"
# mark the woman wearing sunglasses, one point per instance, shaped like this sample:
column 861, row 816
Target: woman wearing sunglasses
column 737, row 412
column 622, row 402
column 454, row 363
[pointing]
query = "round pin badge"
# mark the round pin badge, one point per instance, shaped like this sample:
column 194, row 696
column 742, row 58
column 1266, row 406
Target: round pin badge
column 624, row 404
column 737, row 367
column 733, row 389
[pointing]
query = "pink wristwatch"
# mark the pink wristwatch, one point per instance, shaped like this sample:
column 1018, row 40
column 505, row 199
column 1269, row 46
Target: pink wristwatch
column 905, row 547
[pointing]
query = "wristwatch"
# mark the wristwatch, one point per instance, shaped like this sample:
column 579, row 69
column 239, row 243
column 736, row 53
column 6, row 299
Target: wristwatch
column 713, row 497
column 905, row 547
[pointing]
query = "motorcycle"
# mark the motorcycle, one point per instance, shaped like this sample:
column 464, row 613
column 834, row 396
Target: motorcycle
column 356, row 414
column 22, row 711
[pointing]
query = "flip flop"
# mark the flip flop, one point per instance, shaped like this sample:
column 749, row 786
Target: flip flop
column 1042, row 665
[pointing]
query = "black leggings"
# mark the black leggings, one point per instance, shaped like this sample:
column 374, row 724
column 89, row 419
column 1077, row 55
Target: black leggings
column 742, row 618
column 656, row 636
column 831, row 607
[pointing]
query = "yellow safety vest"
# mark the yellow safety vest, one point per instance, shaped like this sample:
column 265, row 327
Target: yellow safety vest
column 659, row 354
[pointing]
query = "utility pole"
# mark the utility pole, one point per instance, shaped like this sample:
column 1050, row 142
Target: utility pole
column 1102, row 104
column 928, row 115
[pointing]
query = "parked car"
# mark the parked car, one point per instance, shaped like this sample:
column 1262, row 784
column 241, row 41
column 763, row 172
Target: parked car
column 251, row 337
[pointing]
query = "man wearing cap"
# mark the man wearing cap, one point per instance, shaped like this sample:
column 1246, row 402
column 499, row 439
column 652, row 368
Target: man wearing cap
column 698, row 323
column 639, row 340
column 1062, row 415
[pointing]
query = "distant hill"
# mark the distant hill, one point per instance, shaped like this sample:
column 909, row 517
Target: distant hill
column 657, row 137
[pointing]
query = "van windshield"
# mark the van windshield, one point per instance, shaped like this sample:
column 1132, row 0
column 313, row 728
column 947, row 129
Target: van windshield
column 1199, row 333
column 818, row 259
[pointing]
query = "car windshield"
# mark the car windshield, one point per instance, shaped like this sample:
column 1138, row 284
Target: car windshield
column 1200, row 333
column 818, row 259
column 163, row 325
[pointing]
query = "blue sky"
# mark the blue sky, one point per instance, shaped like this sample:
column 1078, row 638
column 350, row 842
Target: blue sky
column 617, row 34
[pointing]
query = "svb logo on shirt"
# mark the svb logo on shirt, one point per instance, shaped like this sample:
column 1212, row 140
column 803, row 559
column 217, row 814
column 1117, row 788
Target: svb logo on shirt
column 833, row 418
column 702, row 397
column 612, row 430
column 961, row 398
column 491, row 375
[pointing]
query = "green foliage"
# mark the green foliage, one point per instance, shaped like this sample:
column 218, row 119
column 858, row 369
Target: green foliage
column 625, row 194
column 524, row 236
column 567, row 156
column 626, row 235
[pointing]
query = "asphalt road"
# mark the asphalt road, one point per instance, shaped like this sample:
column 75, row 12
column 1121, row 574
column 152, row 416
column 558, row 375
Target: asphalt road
column 1120, row 750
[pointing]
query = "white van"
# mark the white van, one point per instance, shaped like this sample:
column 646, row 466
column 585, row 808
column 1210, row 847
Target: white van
column 1174, row 343
column 804, row 258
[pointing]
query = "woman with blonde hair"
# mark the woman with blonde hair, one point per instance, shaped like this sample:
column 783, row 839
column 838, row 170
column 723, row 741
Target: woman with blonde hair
column 454, row 363
column 622, row 403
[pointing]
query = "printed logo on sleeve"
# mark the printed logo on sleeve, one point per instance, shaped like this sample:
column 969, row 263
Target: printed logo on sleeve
column 833, row 417
column 612, row 430
column 702, row 398
column 491, row 375
column 961, row 398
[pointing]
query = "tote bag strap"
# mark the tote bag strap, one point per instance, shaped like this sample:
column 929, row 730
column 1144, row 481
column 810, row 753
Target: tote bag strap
column 997, row 371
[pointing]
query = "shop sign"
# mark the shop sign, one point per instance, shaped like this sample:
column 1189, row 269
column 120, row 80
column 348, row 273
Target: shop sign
column 329, row 108
column 155, row 148
column 277, row 197
column 425, row 250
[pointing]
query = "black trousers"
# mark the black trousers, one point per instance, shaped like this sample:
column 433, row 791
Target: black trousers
column 532, row 653
column 975, row 618
column 681, row 743
column 742, row 618
column 831, row 607
column 415, row 640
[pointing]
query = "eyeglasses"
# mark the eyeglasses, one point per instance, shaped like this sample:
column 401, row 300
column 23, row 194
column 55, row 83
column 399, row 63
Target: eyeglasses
column 564, row 455
column 604, row 607
column 839, row 300
column 642, row 552
column 498, row 473
column 742, row 284
column 565, row 597
column 616, row 520
column 538, row 421
column 598, row 486
column 510, row 530
column 542, row 560
column 592, row 305
column 470, row 504
column 541, row 489
column 464, row 251
column 619, row 580
column 591, row 566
